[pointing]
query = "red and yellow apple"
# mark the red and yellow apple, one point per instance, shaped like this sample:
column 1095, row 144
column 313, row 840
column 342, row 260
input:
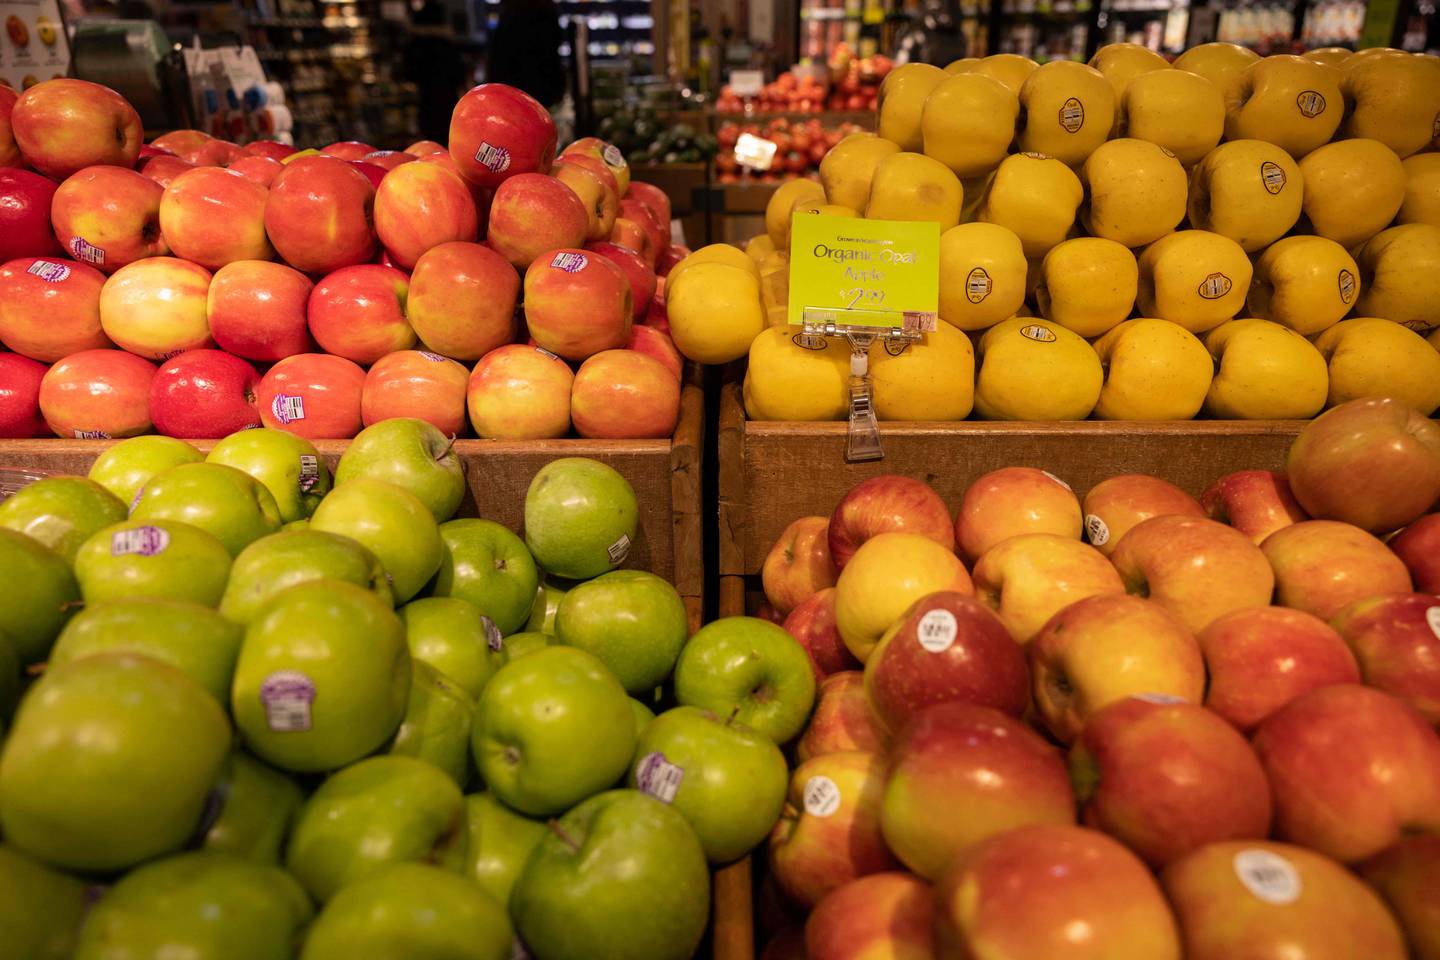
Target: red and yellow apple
column 417, row 384
column 812, row 624
column 888, row 503
column 843, row 719
column 156, row 307
column 64, row 125
column 1396, row 639
column 1255, row 502
column 98, row 395
column 314, row 395
column 1013, row 500
column 532, row 214
column 882, row 915
column 359, row 312
column 1029, row 578
column 518, row 392
column 108, row 217
column 212, row 216
column 1418, row 547
column 624, row 395
column 257, row 310
column 798, row 565
column 577, row 304
column 318, row 215
column 497, row 132
column 886, row 575
column 419, row 206
column 1116, row 504
column 1323, row 566
column 50, row 308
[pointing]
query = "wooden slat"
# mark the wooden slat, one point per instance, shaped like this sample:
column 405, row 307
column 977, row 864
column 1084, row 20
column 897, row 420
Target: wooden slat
column 733, row 929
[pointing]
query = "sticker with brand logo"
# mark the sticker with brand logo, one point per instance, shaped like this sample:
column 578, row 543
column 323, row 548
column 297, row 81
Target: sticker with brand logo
column 1215, row 286
column 91, row 435
column 821, row 795
column 1269, row 876
column 309, row 471
column 978, row 285
column 492, row 158
column 1347, row 286
column 1311, row 103
column 49, row 271
column 287, row 696
column 1432, row 617
column 619, row 550
column 1072, row 115
column 810, row 341
column 1035, row 155
column 144, row 541
column 552, row 356
column 570, row 262
column 287, row 407
column 493, row 639
column 1057, row 479
column 1272, row 175
column 659, row 777
column 432, row 357
column 1038, row 332
column 85, row 252
column 1097, row 530
column 937, row 630
column 612, row 155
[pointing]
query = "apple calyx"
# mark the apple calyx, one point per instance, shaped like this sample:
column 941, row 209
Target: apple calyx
column 565, row 838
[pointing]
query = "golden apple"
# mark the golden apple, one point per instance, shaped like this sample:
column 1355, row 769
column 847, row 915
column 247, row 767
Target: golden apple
column 1087, row 285
column 1372, row 357
column 1220, row 63
column 1010, row 69
column 1154, row 370
column 1306, row 284
column 1033, row 370
column 1121, row 63
column 1422, row 190
column 1353, row 189
column 715, row 310
column 778, row 207
column 969, row 122
column 1392, row 99
column 912, row 186
column 1264, row 371
column 889, row 572
column 1136, row 192
column 930, row 380
column 1181, row 111
column 1289, row 101
column 1035, row 196
column 1402, row 267
column 785, row 381
column 849, row 167
column 982, row 275
column 1069, row 108
column 902, row 100
column 1195, row 278
column 1248, row 190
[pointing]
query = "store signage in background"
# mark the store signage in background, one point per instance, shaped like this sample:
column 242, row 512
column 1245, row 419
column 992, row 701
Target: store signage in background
column 864, row 273
column 33, row 46
column 747, row 83
column 754, row 152
column 1379, row 28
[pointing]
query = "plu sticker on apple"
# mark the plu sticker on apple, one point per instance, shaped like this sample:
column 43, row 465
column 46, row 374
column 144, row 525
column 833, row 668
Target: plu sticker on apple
column 1269, row 876
column 287, row 696
column 659, row 777
column 821, row 796
column 936, row 631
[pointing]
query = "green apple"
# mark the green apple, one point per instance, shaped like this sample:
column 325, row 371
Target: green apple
column 186, row 635
column 750, row 668
column 110, row 762
column 634, row 621
column 288, row 465
column 725, row 778
column 259, row 806
column 33, row 615
column 547, row 603
column 644, row 716
column 412, row 454
column 379, row 811
column 322, row 678
column 581, row 518
column 392, row 524
column 455, row 638
column 497, row 843
column 125, row 468
column 488, row 565
column 204, row 905
column 221, row 500
column 525, row 642
column 621, row 875
column 40, row 909
column 152, row 558
column 281, row 560
column 9, row 679
column 411, row 911
column 61, row 512
column 437, row 723
column 552, row 728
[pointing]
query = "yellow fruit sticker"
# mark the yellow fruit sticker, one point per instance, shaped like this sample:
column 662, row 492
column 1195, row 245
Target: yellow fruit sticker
column 1072, row 115
column 1273, row 176
column 866, row 273
column 1038, row 332
column 1311, row 103
column 1215, row 286
column 1347, row 286
column 978, row 285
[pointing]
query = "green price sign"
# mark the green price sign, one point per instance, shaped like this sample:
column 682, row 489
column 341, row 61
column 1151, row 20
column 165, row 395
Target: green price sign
column 864, row 273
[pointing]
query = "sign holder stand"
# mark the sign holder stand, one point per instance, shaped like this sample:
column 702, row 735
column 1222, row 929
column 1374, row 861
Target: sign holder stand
column 862, row 441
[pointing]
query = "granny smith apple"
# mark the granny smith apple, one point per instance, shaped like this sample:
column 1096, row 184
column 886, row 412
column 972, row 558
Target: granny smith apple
column 409, row 453
column 203, row 904
column 437, row 723
column 488, row 565
column 634, row 621
column 644, row 716
column 547, row 603
column 379, row 811
column 498, row 841
column 414, row 911
column 288, row 465
column 61, row 512
column 751, row 668
column 221, row 500
column 125, row 468
column 581, row 517
column 281, row 560
column 723, row 777
column 552, row 728
column 525, row 642
column 259, row 805
column 40, row 908
column 9, row 679
column 186, row 635
column 452, row 636
column 322, row 678
column 40, row 594
column 621, row 875
column 392, row 524
column 110, row 762
column 153, row 558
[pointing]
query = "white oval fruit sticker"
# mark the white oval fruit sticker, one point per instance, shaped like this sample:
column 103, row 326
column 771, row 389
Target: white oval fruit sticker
column 49, row 271
column 1215, row 286
column 1058, row 480
column 1097, row 530
column 822, row 797
column 1432, row 617
column 1269, row 876
column 139, row 541
column 936, row 631
column 1347, row 286
column 978, row 285
column 1038, row 332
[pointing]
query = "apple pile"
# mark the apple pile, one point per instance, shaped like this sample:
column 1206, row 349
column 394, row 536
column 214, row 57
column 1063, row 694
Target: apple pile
column 799, row 147
column 1227, row 235
column 1237, row 696
column 490, row 286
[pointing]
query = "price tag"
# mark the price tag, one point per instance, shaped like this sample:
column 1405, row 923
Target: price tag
column 754, row 152
column 883, row 274
column 747, row 83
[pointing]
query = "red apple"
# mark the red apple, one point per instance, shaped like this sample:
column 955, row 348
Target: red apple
column 1262, row 658
column 164, row 168
column 666, row 259
column 272, row 149
column 156, row 307
column 481, row 195
column 204, row 393
column 961, row 757
column 372, row 173
column 389, row 159
column 654, row 343
column 628, row 233
column 1323, row 566
column 636, row 212
column 98, row 395
column 315, row 395
column 656, row 315
column 318, row 215
column 1373, row 462
column 1115, row 505
column 195, row 230
column 843, row 719
column 20, row 379
column 1013, row 500
column 653, row 198
column 1396, row 640
column 518, row 392
column 812, row 624
column 577, row 304
column 108, row 217
column 497, row 132
column 418, row 384
column 798, row 565
column 882, row 915
column 65, row 125
column 213, row 153
column 606, row 153
column 532, row 214
column 1255, row 502
column 424, row 148
column 1407, row 876
column 641, row 277
column 1029, row 578
column 888, row 503
column 462, row 300
column 624, row 395
column 1418, row 547
column 420, row 206
column 181, row 141
column 25, row 229
column 263, row 170
column 9, row 152
column 599, row 198
column 257, row 310
column 50, row 309
column 359, row 313
column 348, row 150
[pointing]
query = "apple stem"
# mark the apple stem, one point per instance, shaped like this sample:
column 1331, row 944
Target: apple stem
column 448, row 447
column 734, row 712
column 35, row 669
column 565, row 838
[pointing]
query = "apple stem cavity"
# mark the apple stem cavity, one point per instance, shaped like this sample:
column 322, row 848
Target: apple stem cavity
column 565, row 838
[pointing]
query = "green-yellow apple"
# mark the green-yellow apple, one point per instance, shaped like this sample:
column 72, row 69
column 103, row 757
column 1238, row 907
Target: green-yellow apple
column 644, row 716
column 524, row 643
column 281, row 560
column 633, row 621
column 452, row 636
column 1406, row 876
column 1286, row 100
column 547, row 604
column 727, row 780
column 153, row 558
column 1014, row 500
column 484, row 563
column 498, row 841
column 32, row 617
column 223, row 501
column 843, row 719
column 125, row 468
column 379, row 811
column 1397, row 643
column 393, row 523
column 889, row 572
column 1323, row 566
column 1029, row 578
column 413, row 455
column 621, row 875
column 40, row 908
column 186, row 635
column 1248, row 190
column 260, row 804
column 581, row 518
column 889, row 913
column 110, row 762
column 411, row 910
column 551, row 729
column 752, row 669
column 287, row 464
column 199, row 904
column 323, row 677
column 436, row 728
column 61, row 512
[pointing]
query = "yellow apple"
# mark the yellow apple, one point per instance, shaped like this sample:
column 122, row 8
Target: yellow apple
column 912, row 186
column 1136, row 192
column 1264, row 371
column 1305, row 283
column 1035, row 196
column 889, row 572
column 969, row 122
column 722, row 253
column 849, row 167
column 1033, row 370
column 1220, row 63
column 1028, row 578
column 1178, row 110
column 1121, row 63
column 982, row 275
column 1087, row 285
column 1195, row 278
column 1402, row 267
column 1391, row 99
column 778, row 208
column 963, row 65
column 1010, row 69
column 1353, row 189
column 902, row 100
column 785, row 381
column 758, row 248
column 1329, row 56
column 1289, row 101
column 1372, row 357
column 1069, row 109
column 715, row 311
column 1154, row 370
column 1248, row 190
column 1422, row 190
column 930, row 380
